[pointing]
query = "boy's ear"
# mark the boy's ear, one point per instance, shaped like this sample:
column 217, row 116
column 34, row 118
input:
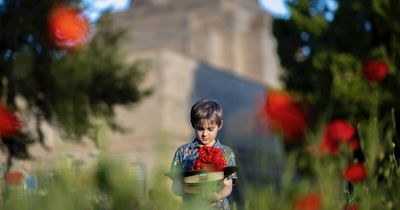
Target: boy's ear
column 222, row 123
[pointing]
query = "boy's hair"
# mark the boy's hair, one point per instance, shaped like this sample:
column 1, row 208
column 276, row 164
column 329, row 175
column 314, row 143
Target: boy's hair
column 206, row 109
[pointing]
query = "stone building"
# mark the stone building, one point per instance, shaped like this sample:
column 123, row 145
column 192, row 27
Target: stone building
column 232, row 35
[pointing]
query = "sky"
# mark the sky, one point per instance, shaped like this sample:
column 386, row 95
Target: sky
column 274, row 7
column 95, row 7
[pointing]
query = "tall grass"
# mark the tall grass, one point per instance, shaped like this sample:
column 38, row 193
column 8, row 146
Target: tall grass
column 112, row 184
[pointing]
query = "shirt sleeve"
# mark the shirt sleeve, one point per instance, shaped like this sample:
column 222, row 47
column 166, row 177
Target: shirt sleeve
column 176, row 164
column 231, row 161
column 175, row 173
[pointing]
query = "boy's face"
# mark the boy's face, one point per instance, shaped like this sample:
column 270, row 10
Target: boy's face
column 206, row 132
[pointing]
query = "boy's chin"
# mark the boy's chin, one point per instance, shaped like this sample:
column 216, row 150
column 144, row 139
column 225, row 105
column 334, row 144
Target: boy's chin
column 205, row 143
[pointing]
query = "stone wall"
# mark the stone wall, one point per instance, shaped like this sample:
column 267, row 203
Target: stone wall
column 233, row 35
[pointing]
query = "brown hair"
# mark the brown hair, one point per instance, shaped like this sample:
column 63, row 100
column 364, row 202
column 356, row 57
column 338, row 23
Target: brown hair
column 206, row 109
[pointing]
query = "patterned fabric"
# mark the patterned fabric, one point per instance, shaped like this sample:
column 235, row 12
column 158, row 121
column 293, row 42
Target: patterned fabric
column 184, row 160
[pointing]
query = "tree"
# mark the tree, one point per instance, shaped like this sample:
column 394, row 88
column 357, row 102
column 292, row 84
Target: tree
column 64, row 88
column 324, row 48
column 325, row 45
column 336, row 55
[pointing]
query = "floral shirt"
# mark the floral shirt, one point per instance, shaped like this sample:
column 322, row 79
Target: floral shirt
column 186, row 155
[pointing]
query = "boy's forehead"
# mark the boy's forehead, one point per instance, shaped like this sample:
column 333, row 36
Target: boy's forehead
column 206, row 123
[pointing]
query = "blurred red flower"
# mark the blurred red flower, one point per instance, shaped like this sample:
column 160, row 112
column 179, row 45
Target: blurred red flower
column 311, row 201
column 328, row 146
column 355, row 172
column 336, row 132
column 14, row 177
column 210, row 159
column 9, row 123
column 285, row 115
column 350, row 207
column 375, row 70
column 67, row 27
column 340, row 130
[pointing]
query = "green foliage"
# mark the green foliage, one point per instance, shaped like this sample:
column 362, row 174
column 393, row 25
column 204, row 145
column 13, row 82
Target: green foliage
column 323, row 50
column 111, row 184
column 67, row 89
column 107, row 184
column 328, row 73
column 122, row 193
column 80, row 85
column 307, row 173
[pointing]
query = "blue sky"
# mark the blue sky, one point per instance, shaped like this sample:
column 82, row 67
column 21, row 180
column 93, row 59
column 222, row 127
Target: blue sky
column 95, row 7
column 275, row 7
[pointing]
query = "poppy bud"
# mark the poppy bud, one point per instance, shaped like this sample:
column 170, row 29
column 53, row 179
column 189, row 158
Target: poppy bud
column 375, row 70
column 9, row 123
column 355, row 172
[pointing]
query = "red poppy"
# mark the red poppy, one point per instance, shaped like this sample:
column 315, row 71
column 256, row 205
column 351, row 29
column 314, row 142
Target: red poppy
column 9, row 123
column 340, row 130
column 14, row 177
column 67, row 27
column 336, row 132
column 311, row 201
column 350, row 207
column 355, row 172
column 285, row 115
column 375, row 70
column 210, row 159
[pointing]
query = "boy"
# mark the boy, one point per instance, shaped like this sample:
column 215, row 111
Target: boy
column 206, row 119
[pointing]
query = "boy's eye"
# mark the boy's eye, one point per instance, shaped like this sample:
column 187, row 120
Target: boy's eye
column 202, row 129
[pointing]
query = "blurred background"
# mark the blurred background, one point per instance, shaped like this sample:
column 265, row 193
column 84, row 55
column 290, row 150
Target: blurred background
column 80, row 79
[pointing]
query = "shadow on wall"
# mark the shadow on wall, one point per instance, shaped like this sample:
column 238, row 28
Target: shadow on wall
column 258, row 152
